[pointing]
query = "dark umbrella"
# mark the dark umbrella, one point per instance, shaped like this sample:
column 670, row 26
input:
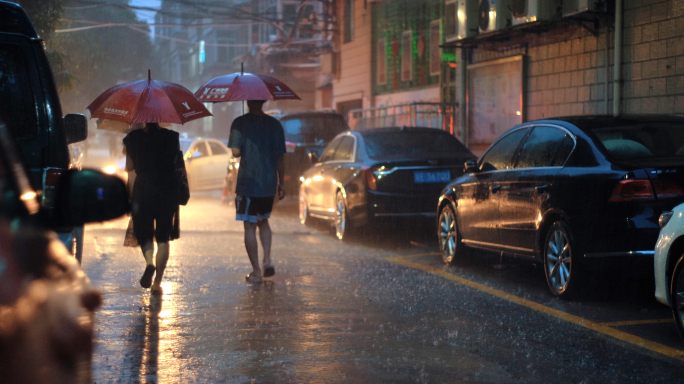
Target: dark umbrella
column 148, row 101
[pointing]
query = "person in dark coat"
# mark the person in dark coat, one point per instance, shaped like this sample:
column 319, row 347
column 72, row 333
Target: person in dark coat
column 152, row 159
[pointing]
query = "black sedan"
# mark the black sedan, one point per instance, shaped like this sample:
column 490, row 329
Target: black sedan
column 566, row 191
column 380, row 173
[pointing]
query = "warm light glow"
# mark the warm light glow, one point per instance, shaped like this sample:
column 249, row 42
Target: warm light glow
column 237, row 165
column 318, row 178
column 334, row 181
column 518, row 113
column 28, row 196
column 302, row 179
column 110, row 169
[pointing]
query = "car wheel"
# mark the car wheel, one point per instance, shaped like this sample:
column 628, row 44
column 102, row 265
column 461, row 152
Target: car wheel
column 677, row 296
column 341, row 220
column 303, row 208
column 560, row 268
column 449, row 238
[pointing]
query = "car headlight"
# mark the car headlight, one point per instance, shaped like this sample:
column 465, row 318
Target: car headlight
column 110, row 169
column 664, row 218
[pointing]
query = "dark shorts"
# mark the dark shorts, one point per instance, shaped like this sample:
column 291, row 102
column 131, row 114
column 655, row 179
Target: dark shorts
column 253, row 209
column 153, row 219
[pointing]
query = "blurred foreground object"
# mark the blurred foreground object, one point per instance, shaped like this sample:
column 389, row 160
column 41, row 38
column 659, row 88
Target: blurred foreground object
column 46, row 310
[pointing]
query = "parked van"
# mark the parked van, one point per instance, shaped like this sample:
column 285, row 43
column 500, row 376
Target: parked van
column 29, row 104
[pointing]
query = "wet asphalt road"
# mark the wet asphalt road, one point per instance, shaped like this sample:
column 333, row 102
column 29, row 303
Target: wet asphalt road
column 380, row 309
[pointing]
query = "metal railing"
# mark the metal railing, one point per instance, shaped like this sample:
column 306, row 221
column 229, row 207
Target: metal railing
column 432, row 115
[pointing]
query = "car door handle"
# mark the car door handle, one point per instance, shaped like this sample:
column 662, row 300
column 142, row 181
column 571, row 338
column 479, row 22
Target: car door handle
column 494, row 188
column 541, row 189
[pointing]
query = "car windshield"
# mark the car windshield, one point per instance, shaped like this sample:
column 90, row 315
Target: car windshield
column 412, row 144
column 643, row 141
column 310, row 129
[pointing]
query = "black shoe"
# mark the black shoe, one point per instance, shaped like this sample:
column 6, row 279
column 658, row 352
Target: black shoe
column 146, row 279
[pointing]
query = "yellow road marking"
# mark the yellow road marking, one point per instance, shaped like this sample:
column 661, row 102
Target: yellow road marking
column 412, row 256
column 637, row 322
column 598, row 327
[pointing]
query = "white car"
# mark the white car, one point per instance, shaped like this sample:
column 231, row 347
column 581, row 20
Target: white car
column 206, row 161
column 669, row 264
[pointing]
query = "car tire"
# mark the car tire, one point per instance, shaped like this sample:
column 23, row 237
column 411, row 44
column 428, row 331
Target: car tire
column 562, row 271
column 304, row 217
column 341, row 224
column 677, row 296
column 448, row 236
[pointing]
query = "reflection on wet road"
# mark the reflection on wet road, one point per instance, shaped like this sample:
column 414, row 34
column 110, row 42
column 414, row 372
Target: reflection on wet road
column 338, row 312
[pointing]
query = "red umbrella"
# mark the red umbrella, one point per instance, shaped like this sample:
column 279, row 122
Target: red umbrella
column 244, row 86
column 148, row 101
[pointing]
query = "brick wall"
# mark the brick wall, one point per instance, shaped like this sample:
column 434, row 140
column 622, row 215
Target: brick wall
column 566, row 69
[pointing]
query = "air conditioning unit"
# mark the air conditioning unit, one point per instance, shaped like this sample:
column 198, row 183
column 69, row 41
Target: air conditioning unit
column 460, row 19
column 573, row 7
column 493, row 15
column 528, row 11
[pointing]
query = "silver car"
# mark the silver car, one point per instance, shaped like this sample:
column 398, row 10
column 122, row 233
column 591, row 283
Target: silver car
column 206, row 161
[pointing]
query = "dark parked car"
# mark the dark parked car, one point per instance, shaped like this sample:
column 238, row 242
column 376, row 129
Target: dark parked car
column 46, row 301
column 566, row 191
column 30, row 105
column 304, row 133
column 380, row 173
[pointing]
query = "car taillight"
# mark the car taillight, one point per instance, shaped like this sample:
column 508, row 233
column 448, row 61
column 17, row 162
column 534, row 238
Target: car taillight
column 52, row 176
column 369, row 177
column 644, row 189
column 290, row 147
column 666, row 189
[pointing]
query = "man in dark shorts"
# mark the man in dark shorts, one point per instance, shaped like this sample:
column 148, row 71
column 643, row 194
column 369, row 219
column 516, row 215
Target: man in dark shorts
column 259, row 141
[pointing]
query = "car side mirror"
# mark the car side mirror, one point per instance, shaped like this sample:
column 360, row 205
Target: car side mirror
column 75, row 127
column 470, row 166
column 313, row 157
column 89, row 196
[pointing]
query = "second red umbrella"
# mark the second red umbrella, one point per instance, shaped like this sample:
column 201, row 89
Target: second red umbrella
column 244, row 86
column 148, row 101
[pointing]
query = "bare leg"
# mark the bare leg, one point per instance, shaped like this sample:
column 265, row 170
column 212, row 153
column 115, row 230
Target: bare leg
column 252, row 248
column 148, row 252
column 265, row 235
column 162, row 259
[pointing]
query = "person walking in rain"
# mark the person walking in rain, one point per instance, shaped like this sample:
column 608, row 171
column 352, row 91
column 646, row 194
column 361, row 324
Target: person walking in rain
column 152, row 160
column 259, row 141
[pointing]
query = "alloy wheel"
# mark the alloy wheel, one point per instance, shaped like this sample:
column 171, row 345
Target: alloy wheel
column 341, row 217
column 679, row 297
column 558, row 260
column 447, row 235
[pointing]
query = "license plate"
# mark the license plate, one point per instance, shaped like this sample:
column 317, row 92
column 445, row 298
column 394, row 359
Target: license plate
column 431, row 177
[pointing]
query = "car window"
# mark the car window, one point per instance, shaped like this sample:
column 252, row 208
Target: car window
column 500, row 155
column 314, row 128
column 545, row 147
column 418, row 144
column 642, row 140
column 329, row 152
column 217, row 149
column 200, row 147
column 346, row 149
column 17, row 103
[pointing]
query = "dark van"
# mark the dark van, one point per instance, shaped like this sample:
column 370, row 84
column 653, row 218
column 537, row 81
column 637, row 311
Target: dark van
column 29, row 104
column 307, row 132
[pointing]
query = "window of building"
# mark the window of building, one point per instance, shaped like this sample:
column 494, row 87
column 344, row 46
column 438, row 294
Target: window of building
column 382, row 61
column 435, row 50
column 348, row 21
column 407, row 56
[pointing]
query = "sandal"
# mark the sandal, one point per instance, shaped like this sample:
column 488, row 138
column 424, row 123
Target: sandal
column 146, row 279
column 269, row 270
column 252, row 279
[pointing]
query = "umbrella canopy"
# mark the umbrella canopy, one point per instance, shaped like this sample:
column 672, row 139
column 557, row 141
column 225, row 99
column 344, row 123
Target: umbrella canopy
column 244, row 86
column 148, row 101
